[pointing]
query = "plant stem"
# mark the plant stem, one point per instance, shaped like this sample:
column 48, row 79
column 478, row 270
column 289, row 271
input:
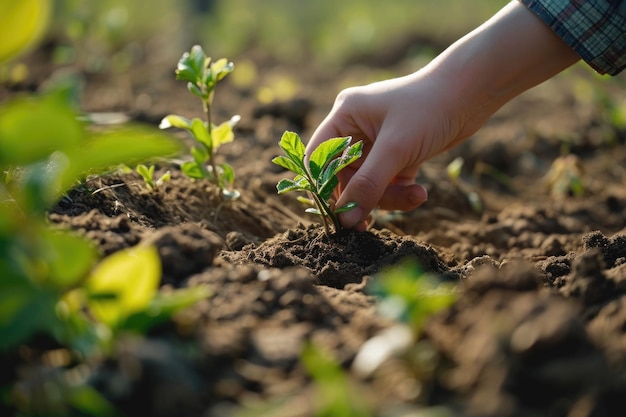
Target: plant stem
column 324, row 213
column 206, row 104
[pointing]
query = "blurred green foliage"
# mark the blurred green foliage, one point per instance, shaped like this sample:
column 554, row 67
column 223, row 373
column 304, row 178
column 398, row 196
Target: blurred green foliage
column 105, row 32
column 52, row 285
column 327, row 31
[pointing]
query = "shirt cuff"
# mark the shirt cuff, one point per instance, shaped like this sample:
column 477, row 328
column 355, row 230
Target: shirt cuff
column 594, row 29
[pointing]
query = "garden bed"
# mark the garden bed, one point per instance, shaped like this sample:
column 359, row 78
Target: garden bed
column 538, row 326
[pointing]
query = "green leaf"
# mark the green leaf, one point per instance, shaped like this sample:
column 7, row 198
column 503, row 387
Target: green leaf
column 68, row 257
column 191, row 65
column 32, row 128
column 347, row 207
column 221, row 68
column 285, row 185
column 351, row 154
column 22, row 23
column 201, row 133
column 145, row 172
column 327, row 180
column 291, row 143
column 327, row 188
column 196, row 91
column 289, row 164
column 174, row 120
column 313, row 211
column 222, row 134
column 300, row 182
column 132, row 276
column 306, row 201
column 200, row 154
column 193, row 170
column 227, row 176
column 326, row 152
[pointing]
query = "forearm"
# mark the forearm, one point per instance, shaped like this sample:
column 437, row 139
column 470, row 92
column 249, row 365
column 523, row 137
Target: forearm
column 504, row 57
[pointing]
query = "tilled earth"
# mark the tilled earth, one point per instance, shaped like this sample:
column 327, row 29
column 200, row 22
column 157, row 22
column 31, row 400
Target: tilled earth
column 538, row 326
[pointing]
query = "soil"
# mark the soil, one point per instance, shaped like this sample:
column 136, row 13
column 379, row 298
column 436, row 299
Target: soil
column 538, row 328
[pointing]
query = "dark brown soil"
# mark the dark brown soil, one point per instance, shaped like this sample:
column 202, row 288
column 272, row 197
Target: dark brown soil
column 537, row 330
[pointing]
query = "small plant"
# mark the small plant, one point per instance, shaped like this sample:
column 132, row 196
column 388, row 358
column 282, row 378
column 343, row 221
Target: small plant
column 147, row 173
column 202, row 76
column 319, row 178
column 409, row 296
column 566, row 177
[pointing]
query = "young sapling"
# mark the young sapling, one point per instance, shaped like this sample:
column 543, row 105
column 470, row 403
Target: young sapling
column 319, row 178
column 202, row 75
column 147, row 173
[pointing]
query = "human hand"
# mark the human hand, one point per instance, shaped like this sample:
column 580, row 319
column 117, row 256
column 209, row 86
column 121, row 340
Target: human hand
column 405, row 121
column 402, row 122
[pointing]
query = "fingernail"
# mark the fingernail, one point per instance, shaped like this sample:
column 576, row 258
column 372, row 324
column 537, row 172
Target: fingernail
column 350, row 218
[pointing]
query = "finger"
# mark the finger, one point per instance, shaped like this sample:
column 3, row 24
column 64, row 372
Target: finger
column 367, row 185
column 403, row 197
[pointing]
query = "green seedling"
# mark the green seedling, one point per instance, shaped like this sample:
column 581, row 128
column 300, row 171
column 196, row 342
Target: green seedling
column 566, row 177
column 319, row 176
column 202, row 76
column 454, row 169
column 409, row 295
column 147, row 173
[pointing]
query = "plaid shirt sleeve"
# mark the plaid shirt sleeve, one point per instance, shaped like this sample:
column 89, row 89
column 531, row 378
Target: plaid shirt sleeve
column 595, row 29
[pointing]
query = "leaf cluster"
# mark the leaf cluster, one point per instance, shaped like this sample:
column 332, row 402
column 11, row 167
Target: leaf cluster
column 202, row 76
column 52, row 281
column 409, row 295
column 319, row 176
column 201, row 73
column 147, row 173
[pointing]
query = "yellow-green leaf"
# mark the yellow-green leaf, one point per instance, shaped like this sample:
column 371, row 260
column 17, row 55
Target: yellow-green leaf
column 22, row 23
column 123, row 284
column 173, row 120
column 222, row 134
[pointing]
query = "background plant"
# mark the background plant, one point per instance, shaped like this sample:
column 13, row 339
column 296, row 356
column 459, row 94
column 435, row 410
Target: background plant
column 52, row 282
column 53, row 285
column 202, row 76
column 147, row 173
column 319, row 176
column 409, row 296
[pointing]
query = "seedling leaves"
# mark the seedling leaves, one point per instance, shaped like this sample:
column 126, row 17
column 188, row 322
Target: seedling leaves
column 326, row 161
column 191, row 65
column 326, row 152
column 291, row 143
